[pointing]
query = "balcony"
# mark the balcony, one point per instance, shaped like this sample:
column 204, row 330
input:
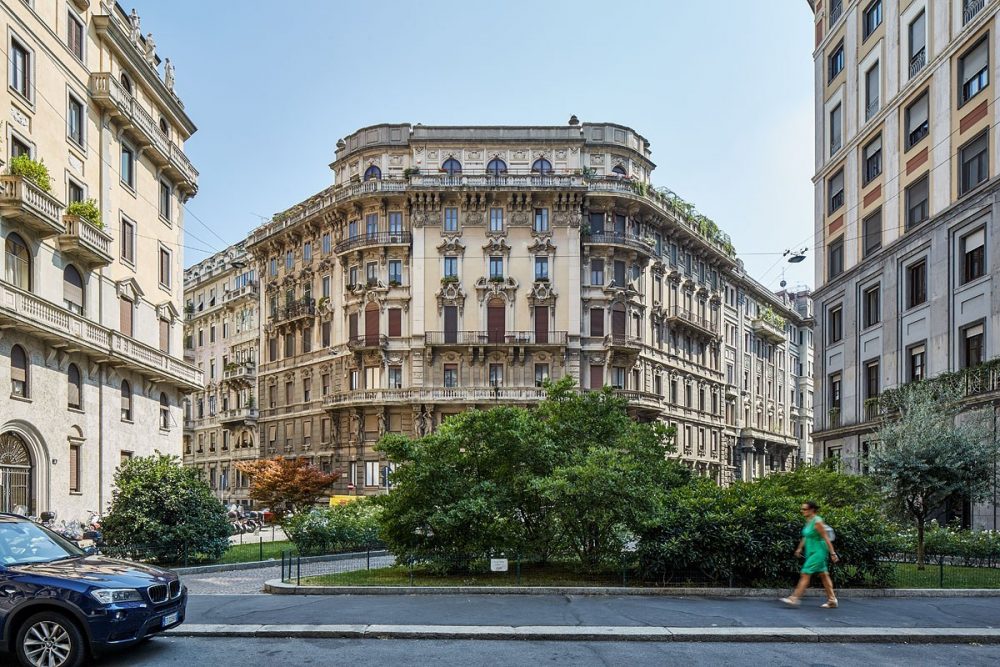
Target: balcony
column 836, row 9
column 246, row 291
column 510, row 179
column 768, row 330
column 971, row 8
column 54, row 324
column 917, row 61
column 246, row 372
column 188, row 425
column 368, row 342
column 374, row 240
column 434, row 395
column 623, row 342
column 84, row 241
column 235, row 417
column 475, row 338
column 621, row 240
column 677, row 316
column 294, row 311
column 109, row 94
column 28, row 204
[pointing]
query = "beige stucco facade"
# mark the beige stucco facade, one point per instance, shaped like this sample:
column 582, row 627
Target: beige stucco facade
column 90, row 329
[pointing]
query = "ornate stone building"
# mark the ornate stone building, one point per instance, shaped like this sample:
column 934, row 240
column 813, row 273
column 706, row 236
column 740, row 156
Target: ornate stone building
column 222, row 338
column 90, row 330
column 459, row 267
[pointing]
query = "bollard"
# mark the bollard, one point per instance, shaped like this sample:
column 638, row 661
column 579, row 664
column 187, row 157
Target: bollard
column 410, row 563
column 369, row 558
column 298, row 570
column 517, row 569
column 261, row 547
column 940, row 571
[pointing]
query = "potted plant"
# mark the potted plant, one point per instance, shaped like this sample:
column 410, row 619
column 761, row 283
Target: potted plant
column 449, row 280
column 35, row 171
column 394, row 283
column 541, row 279
column 86, row 210
column 496, row 279
column 411, row 171
column 231, row 366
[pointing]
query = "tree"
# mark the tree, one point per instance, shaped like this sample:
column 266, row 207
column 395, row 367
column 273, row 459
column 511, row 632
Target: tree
column 165, row 511
column 931, row 451
column 280, row 483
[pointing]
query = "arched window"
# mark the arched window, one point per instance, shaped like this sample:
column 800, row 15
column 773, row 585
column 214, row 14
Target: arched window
column 452, row 166
column 164, row 412
column 126, row 401
column 541, row 166
column 126, row 83
column 373, row 173
column 496, row 167
column 74, row 386
column 73, row 289
column 18, row 262
column 620, row 170
column 19, row 376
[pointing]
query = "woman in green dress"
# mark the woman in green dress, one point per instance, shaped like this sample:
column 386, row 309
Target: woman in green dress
column 818, row 547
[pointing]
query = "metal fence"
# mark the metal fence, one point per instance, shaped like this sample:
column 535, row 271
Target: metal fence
column 182, row 554
column 940, row 571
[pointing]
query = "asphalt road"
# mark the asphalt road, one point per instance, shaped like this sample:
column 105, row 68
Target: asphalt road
column 187, row 652
column 591, row 611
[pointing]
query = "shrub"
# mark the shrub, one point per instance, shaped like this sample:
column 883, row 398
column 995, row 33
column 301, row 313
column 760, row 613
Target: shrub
column 342, row 528
column 36, row 172
column 970, row 547
column 165, row 512
column 87, row 210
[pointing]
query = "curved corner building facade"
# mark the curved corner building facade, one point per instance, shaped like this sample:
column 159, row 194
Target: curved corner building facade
column 459, row 267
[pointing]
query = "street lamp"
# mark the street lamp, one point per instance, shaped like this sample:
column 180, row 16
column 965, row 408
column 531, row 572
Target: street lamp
column 795, row 256
column 495, row 390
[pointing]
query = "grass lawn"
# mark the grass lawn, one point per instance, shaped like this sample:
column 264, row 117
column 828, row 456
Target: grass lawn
column 955, row 576
column 531, row 575
column 251, row 551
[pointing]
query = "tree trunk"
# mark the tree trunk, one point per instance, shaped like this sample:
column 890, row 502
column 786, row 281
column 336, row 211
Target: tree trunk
column 920, row 543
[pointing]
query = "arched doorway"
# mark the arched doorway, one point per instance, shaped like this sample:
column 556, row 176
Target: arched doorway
column 15, row 473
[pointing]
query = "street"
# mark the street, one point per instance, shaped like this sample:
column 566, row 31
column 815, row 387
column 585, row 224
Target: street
column 189, row 651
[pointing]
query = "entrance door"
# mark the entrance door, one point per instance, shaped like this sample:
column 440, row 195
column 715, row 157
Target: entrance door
column 496, row 325
column 15, row 475
column 371, row 325
column 542, row 324
column 451, row 324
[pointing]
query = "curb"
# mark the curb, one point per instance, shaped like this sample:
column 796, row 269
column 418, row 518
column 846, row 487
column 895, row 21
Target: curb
column 258, row 564
column 840, row 634
column 277, row 587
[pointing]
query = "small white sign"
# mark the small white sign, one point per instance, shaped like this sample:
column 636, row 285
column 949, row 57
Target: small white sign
column 498, row 565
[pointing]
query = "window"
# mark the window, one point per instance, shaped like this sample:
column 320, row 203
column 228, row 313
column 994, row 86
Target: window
column 307, row 337
column 835, row 191
column 973, row 71
column 496, row 167
column 451, row 375
column 496, row 219
column 835, row 322
column 541, row 166
column 597, row 322
column 395, row 272
column 541, row 374
column 541, row 219
column 916, row 202
column 371, row 225
column 74, row 387
column 619, row 169
column 973, row 255
column 835, row 391
column 871, row 305
column 126, row 404
column 273, row 266
column 74, row 468
column 128, row 241
column 395, row 223
column 352, row 280
column 972, row 345
column 916, row 360
column 126, row 312
column 371, row 473
column 326, row 333
column 164, row 412
column 373, row 173
column 74, row 35
column 917, row 124
column 496, row 375
column 126, row 83
column 327, row 244
column 289, row 260
column 541, row 267
column 836, row 258
column 918, row 43
column 836, row 129
column 165, row 267
column 974, row 159
column 872, row 226
column 73, row 289
column 451, row 267
column 597, row 272
column 20, row 69
column 619, row 269
column 127, row 174
column 836, row 62
column 19, row 373
column 451, row 167
column 916, row 284
column 289, row 345
column 307, row 251
column 873, row 159
column 872, row 87
column 165, row 335
column 496, row 267
column 871, row 379
column 307, row 389
column 18, row 262
column 371, row 273
column 596, row 223
column 395, row 377
column 451, row 219
column 872, row 18
column 166, row 196
column 395, row 323
column 74, row 119
column 74, row 191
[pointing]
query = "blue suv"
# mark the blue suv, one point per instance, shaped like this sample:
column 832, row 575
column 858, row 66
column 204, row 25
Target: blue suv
column 59, row 605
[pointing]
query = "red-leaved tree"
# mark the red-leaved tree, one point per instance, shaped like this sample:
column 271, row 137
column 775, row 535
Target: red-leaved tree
column 281, row 483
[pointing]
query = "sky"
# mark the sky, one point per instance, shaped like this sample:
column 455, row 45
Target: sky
column 723, row 91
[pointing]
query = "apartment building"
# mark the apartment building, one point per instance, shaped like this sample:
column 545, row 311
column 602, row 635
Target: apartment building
column 906, row 209
column 457, row 267
column 801, row 350
column 90, row 344
column 222, row 338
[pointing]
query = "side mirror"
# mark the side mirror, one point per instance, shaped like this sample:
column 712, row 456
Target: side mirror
column 90, row 551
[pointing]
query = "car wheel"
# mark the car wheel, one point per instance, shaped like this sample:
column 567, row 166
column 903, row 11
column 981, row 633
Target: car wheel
column 50, row 639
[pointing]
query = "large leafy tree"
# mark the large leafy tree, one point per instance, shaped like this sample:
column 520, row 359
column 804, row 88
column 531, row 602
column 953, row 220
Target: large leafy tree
column 286, row 483
column 165, row 511
column 930, row 450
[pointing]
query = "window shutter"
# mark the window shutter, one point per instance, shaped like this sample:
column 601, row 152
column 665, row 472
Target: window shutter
column 126, row 316
column 395, row 322
column 972, row 332
column 918, row 113
column 975, row 61
column 307, row 428
column 74, row 467
column 72, row 292
column 164, row 336
column 126, row 400
column 975, row 240
column 596, row 322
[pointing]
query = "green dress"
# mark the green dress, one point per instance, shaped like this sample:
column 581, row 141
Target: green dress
column 816, row 550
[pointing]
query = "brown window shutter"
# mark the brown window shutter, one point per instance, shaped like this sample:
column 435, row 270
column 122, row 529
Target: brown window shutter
column 352, row 325
column 596, row 377
column 74, row 467
column 126, row 316
column 596, row 322
column 164, row 336
column 395, row 322
column 307, row 428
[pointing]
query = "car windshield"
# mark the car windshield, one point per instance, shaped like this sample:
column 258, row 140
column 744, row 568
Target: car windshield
column 23, row 542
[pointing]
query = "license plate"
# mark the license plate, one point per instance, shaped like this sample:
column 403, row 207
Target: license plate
column 169, row 619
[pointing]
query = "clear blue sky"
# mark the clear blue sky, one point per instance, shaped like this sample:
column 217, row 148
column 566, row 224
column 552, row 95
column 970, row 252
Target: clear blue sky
column 723, row 91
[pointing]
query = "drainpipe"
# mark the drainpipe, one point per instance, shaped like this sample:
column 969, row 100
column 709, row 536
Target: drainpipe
column 103, row 374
